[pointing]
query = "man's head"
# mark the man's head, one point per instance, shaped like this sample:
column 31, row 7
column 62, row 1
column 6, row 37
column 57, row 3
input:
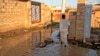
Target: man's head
column 63, row 16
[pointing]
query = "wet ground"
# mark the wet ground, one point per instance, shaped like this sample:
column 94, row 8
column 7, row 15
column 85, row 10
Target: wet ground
column 27, row 45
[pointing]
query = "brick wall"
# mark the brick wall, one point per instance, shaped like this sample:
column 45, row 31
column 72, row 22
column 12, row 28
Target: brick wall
column 72, row 28
column 95, row 19
column 45, row 14
column 14, row 14
column 56, row 16
column 67, row 15
column 80, row 20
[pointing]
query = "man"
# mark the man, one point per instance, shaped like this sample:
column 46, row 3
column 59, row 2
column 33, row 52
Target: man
column 64, row 23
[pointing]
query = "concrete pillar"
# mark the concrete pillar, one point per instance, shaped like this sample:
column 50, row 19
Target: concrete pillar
column 87, row 21
column 63, row 6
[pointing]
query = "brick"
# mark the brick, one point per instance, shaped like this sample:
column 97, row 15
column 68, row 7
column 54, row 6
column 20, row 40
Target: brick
column 12, row 14
column 80, row 20
column 72, row 28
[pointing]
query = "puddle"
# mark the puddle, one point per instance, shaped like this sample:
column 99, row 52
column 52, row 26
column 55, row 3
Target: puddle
column 38, row 43
column 46, row 42
column 0, row 38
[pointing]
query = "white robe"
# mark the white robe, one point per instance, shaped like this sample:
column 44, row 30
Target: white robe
column 64, row 31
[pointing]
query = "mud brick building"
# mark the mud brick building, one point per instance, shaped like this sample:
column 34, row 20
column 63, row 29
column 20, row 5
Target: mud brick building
column 41, row 14
column 17, row 16
column 14, row 14
column 57, row 15
column 95, row 16
column 45, row 14
column 76, row 30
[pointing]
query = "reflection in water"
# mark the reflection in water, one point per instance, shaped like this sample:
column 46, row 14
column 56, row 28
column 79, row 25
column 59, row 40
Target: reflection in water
column 98, row 52
column 36, row 37
column 26, row 45
column 64, row 51
column 92, row 52
column 16, row 46
column 57, row 49
column 39, row 37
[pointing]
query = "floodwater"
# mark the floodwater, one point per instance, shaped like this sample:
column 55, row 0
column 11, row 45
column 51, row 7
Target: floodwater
column 27, row 45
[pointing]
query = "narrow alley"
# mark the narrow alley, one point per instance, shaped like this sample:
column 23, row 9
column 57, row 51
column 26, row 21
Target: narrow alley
column 38, row 27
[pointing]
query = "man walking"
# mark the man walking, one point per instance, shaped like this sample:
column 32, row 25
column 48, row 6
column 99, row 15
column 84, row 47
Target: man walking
column 64, row 23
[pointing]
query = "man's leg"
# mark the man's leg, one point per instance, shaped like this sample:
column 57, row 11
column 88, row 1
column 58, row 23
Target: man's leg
column 67, row 42
column 61, row 37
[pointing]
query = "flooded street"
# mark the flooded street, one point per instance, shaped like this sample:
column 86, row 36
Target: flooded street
column 27, row 45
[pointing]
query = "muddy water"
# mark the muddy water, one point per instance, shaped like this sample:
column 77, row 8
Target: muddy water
column 27, row 45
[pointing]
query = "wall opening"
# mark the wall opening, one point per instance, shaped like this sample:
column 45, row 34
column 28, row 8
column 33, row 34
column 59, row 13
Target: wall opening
column 36, row 12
